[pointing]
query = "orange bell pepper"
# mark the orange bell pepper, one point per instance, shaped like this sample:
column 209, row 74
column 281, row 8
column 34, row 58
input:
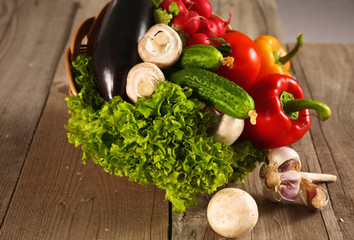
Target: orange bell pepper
column 274, row 58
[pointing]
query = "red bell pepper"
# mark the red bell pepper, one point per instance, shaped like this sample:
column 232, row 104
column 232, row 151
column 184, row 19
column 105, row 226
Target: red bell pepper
column 247, row 61
column 283, row 113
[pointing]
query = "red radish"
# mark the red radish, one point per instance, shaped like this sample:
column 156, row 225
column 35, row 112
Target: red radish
column 221, row 25
column 198, row 38
column 209, row 28
column 202, row 7
column 166, row 4
column 189, row 22
column 187, row 3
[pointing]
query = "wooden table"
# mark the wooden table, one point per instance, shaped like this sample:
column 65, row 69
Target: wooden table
column 45, row 191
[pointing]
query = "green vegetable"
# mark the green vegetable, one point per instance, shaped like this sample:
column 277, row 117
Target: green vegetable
column 82, row 71
column 284, row 98
column 162, row 16
column 173, row 9
column 162, row 140
column 219, row 92
column 201, row 56
column 156, row 3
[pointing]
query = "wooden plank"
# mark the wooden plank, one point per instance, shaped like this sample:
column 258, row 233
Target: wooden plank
column 328, row 78
column 7, row 10
column 326, row 148
column 261, row 18
column 57, row 197
column 290, row 218
column 276, row 221
column 30, row 45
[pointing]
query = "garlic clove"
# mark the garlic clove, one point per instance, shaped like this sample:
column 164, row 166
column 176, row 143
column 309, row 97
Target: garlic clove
column 289, row 165
column 277, row 156
column 290, row 185
column 315, row 197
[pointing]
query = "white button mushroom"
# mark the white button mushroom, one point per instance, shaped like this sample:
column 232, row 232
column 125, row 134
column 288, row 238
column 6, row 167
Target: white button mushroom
column 228, row 130
column 142, row 80
column 232, row 212
column 160, row 45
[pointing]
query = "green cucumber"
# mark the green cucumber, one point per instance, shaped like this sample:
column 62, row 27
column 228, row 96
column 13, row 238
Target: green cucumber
column 201, row 56
column 221, row 93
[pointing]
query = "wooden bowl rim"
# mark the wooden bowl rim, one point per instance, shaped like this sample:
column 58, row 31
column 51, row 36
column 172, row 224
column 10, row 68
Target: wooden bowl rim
column 88, row 29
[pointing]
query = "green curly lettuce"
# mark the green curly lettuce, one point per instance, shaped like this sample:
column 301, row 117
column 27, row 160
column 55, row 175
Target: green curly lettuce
column 163, row 140
column 82, row 71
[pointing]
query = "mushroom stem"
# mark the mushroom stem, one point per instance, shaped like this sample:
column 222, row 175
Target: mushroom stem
column 319, row 177
column 145, row 89
column 228, row 129
column 161, row 39
column 142, row 80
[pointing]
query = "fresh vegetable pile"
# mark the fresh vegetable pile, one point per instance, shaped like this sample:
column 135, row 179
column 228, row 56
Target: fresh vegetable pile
column 164, row 139
column 187, row 104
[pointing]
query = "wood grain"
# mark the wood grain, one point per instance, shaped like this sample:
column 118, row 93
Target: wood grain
column 7, row 9
column 293, row 221
column 57, row 197
column 47, row 193
column 263, row 20
column 328, row 78
column 30, row 46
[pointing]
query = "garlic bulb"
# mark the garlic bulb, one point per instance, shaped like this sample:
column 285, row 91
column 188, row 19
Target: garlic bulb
column 282, row 180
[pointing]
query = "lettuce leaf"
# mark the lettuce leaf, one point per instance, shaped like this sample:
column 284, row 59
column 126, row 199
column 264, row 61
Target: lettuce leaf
column 162, row 16
column 163, row 140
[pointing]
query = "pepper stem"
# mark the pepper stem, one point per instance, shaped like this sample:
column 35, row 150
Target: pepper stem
column 284, row 59
column 295, row 105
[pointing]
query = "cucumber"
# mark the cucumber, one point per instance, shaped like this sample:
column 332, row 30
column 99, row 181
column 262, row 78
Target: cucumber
column 219, row 92
column 201, row 56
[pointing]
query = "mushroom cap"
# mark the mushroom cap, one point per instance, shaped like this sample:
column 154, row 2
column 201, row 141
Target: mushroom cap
column 142, row 80
column 160, row 45
column 228, row 129
column 232, row 212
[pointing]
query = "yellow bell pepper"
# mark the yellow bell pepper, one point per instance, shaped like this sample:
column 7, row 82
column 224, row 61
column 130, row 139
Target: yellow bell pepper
column 274, row 58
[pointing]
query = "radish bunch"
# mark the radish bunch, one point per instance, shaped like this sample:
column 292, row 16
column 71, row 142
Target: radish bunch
column 195, row 19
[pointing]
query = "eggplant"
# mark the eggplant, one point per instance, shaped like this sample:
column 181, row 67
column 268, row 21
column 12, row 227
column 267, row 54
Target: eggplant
column 116, row 48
